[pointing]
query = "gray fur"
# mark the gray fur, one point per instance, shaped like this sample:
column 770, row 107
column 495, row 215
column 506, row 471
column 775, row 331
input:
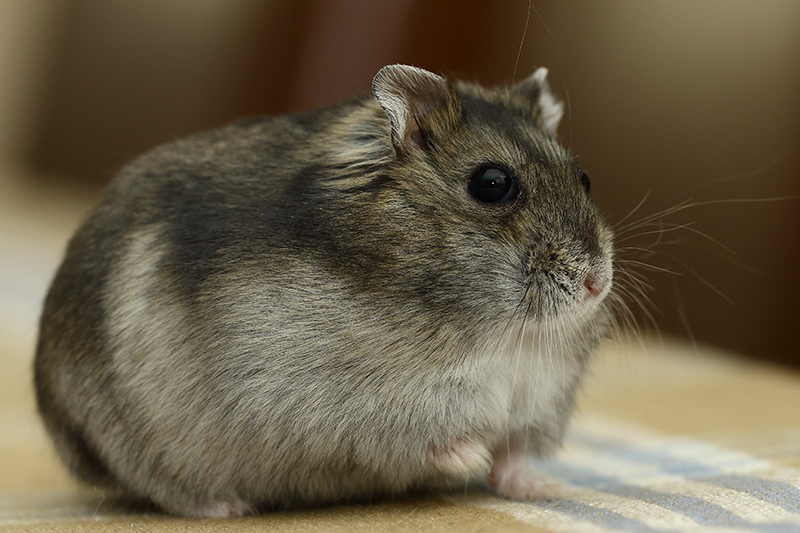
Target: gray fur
column 311, row 309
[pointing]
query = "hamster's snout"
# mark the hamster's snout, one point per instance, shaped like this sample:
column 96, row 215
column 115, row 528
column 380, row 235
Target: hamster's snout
column 563, row 277
column 597, row 281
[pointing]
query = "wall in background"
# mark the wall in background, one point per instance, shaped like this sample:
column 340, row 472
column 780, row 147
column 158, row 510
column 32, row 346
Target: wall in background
column 28, row 38
column 666, row 100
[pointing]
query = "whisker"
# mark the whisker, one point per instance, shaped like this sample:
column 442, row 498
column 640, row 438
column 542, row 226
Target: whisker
column 522, row 41
column 630, row 214
column 637, row 248
column 699, row 277
column 677, row 208
column 648, row 266
column 749, row 200
column 566, row 85
column 733, row 177
column 663, row 228
column 638, row 294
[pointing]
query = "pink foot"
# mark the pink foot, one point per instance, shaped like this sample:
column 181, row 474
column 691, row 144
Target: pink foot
column 512, row 476
column 462, row 458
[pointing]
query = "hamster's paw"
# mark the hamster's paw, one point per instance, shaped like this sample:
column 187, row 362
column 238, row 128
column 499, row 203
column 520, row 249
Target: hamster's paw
column 520, row 484
column 462, row 458
column 513, row 477
column 221, row 509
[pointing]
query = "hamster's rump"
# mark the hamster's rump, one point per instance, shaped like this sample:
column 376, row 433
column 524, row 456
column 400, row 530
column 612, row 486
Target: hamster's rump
column 387, row 294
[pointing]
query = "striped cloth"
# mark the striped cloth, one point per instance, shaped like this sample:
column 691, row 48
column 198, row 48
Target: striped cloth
column 620, row 477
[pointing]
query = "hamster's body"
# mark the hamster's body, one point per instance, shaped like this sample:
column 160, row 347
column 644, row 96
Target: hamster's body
column 318, row 308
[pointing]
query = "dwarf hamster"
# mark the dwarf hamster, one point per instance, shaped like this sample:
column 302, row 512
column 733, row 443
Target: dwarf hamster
column 395, row 293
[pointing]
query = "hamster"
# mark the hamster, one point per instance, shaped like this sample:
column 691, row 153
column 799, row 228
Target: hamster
column 396, row 293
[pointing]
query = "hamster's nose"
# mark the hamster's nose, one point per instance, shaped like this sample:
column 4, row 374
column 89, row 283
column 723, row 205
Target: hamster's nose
column 596, row 283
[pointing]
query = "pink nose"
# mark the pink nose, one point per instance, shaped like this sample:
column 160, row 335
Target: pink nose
column 595, row 284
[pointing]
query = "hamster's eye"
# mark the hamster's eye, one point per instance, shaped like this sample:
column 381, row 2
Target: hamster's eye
column 493, row 186
column 587, row 184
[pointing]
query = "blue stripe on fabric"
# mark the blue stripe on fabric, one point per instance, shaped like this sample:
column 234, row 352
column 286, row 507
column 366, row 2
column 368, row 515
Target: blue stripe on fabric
column 777, row 493
column 660, row 457
column 669, row 464
column 697, row 509
column 609, row 519
column 693, row 507
column 598, row 516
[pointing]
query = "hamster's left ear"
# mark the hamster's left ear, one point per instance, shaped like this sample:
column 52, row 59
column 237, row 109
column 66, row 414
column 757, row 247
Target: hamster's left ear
column 549, row 110
column 415, row 101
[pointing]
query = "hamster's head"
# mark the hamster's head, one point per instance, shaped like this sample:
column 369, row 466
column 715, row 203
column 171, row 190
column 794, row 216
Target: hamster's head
column 492, row 217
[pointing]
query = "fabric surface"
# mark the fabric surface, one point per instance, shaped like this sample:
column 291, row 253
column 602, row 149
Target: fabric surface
column 669, row 437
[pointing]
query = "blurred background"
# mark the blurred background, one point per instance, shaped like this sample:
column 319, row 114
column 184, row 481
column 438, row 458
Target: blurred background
column 667, row 102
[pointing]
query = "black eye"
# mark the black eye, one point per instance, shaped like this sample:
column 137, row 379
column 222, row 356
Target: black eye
column 587, row 184
column 493, row 186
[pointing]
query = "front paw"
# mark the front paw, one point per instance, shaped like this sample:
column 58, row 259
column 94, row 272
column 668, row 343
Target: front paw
column 513, row 477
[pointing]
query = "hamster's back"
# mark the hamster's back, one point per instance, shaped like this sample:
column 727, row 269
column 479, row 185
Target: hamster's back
column 163, row 233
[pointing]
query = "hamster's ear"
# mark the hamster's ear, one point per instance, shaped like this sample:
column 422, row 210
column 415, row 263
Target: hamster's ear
column 414, row 99
column 549, row 110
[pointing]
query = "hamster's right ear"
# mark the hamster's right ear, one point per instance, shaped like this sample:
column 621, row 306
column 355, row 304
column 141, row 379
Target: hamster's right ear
column 548, row 110
column 415, row 100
